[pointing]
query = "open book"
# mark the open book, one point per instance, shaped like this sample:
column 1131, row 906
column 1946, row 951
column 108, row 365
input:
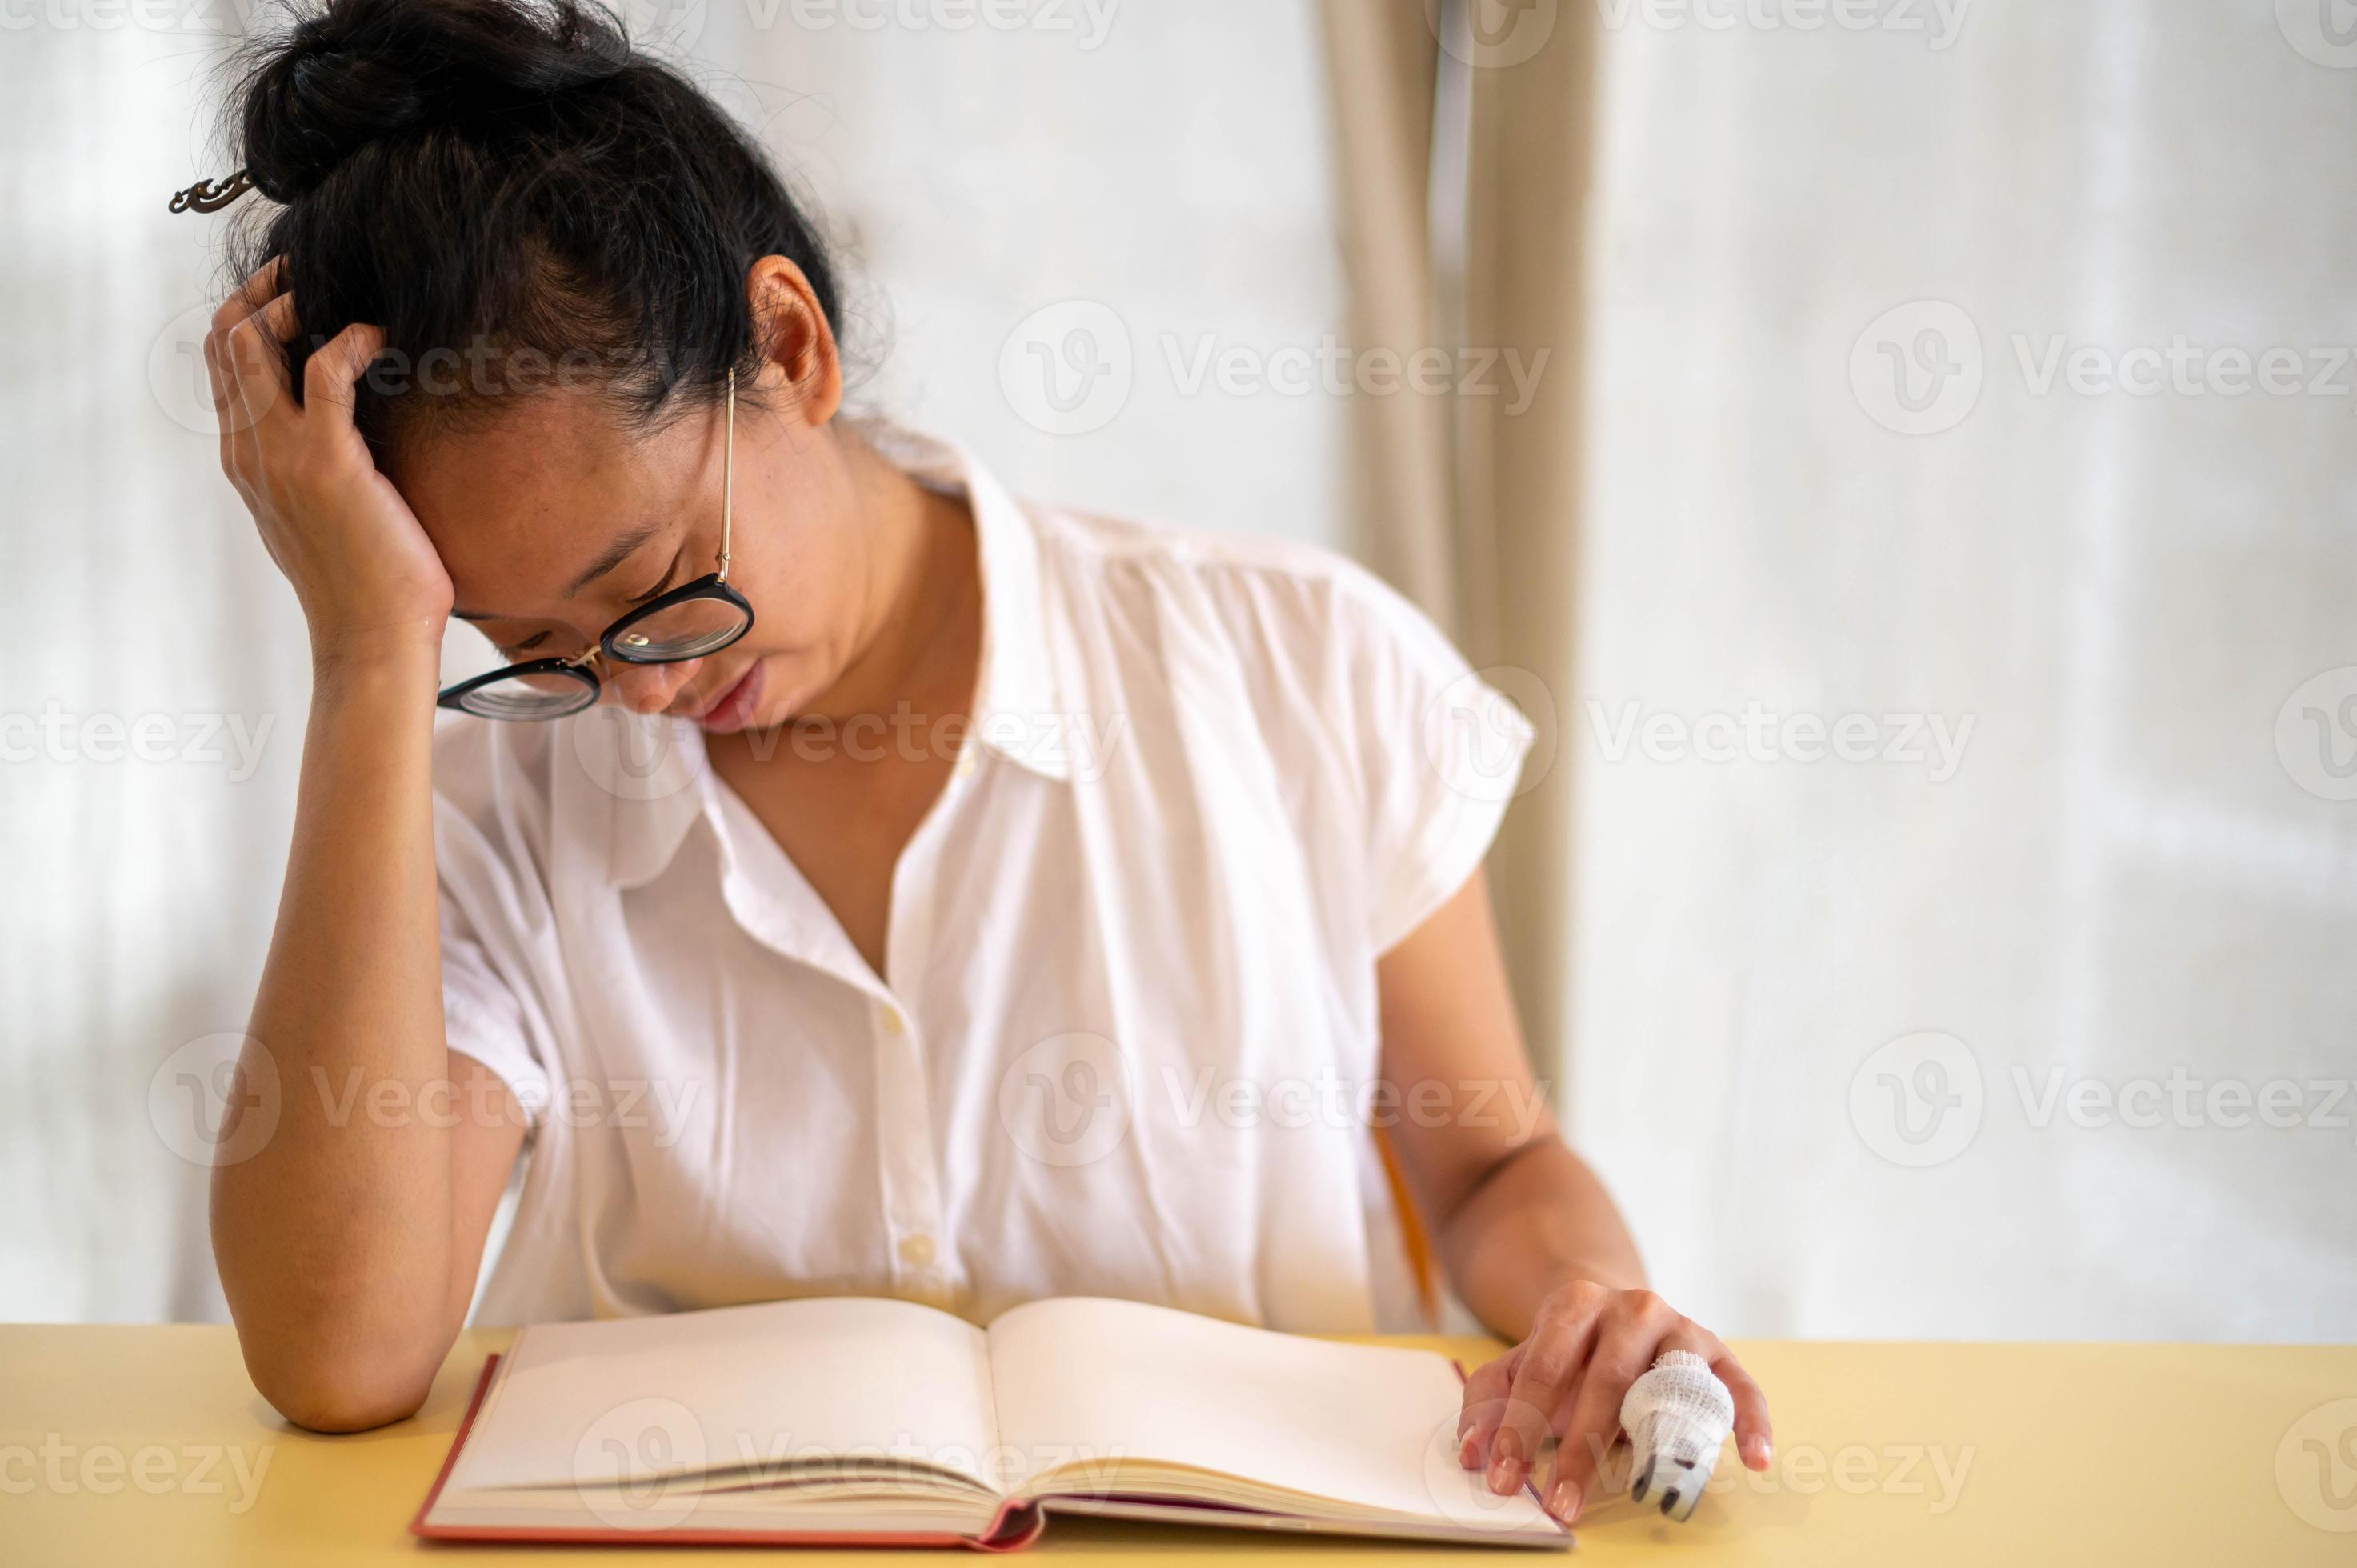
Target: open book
column 837, row 1421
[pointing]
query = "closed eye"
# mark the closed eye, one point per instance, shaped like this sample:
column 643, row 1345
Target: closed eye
column 659, row 589
column 538, row 640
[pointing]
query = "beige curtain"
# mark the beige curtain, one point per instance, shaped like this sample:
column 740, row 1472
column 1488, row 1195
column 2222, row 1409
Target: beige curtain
column 1463, row 147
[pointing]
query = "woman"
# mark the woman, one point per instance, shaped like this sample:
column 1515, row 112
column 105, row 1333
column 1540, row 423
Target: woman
column 951, row 898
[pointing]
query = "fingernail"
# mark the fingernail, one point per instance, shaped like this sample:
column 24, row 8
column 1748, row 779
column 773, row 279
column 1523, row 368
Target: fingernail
column 1501, row 1475
column 1470, row 1456
column 1563, row 1501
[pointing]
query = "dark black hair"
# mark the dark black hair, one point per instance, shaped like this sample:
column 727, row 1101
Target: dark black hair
column 509, row 179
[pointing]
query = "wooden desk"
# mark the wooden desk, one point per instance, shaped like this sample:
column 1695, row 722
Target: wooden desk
column 148, row 1446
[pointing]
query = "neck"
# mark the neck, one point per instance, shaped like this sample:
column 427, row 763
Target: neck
column 921, row 594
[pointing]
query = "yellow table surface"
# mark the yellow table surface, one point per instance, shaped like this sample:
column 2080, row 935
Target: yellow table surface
column 148, row 1446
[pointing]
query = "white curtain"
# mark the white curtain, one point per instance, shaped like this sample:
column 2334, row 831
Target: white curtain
column 1832, row 1016
column 140, row 836
column 1166, row 165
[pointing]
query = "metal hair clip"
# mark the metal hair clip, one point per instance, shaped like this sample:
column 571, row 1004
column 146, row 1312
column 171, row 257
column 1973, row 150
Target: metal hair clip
column 203, row 197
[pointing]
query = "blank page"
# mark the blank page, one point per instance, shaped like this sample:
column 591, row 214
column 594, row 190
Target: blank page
column 1370, row 1426
column 740, row 1385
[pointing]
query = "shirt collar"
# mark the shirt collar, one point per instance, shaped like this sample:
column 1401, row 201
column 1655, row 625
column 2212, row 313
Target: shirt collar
column 1018, row 715
column 649, row 778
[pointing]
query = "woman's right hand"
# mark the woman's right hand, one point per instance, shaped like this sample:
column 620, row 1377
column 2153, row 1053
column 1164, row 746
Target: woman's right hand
column 365, row 572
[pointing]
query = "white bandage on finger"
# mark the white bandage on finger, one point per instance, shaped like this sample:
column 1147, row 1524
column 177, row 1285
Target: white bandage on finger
column 1676, row 1416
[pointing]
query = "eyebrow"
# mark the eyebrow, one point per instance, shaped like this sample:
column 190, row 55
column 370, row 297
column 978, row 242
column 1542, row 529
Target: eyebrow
column 621, row 550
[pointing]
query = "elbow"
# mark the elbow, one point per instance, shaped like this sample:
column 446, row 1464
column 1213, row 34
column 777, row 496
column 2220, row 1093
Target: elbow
column 332, row 1354
column 335, row 1396
column 328, row 1376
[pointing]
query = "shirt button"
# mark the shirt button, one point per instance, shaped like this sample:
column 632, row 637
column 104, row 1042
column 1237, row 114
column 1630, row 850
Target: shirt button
column 917, row 1252
column 893, row 1022
column 965, row 766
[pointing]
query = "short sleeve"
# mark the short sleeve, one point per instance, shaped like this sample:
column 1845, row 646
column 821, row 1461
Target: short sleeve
column 1440, row 750
column 496, row 935
column 481, row 1016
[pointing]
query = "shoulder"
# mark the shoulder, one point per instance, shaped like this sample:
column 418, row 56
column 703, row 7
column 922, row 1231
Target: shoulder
column 494, row 787
column 480, row 764
column 1265, row 600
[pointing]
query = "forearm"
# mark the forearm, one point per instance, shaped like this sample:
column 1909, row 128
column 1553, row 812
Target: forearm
column 1539, row 1219
column 334, row 1237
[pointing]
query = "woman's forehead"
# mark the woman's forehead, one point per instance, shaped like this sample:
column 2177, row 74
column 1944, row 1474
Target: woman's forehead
column 570, row 444
column 527, row 504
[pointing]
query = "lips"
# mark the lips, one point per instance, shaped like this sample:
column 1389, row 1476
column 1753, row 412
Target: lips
column 733, row 708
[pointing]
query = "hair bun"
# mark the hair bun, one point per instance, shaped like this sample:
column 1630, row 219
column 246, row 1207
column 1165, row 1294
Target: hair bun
column 358, row 72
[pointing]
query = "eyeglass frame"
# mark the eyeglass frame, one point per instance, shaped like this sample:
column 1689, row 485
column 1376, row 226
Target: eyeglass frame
column 713, row 586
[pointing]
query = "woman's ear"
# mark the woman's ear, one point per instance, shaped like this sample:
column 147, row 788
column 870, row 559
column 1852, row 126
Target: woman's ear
column 801, row 363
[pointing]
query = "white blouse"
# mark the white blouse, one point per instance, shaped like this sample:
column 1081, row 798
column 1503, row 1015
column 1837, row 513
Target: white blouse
column 1125, row 1037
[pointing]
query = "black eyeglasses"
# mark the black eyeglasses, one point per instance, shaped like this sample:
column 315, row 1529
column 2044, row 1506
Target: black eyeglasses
column 689, row 622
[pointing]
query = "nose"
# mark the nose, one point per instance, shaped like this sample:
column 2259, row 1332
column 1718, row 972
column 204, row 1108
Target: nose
column 649, row 688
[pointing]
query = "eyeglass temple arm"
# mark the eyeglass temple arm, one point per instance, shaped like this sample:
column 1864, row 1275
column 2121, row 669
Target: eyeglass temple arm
column 728, row 478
